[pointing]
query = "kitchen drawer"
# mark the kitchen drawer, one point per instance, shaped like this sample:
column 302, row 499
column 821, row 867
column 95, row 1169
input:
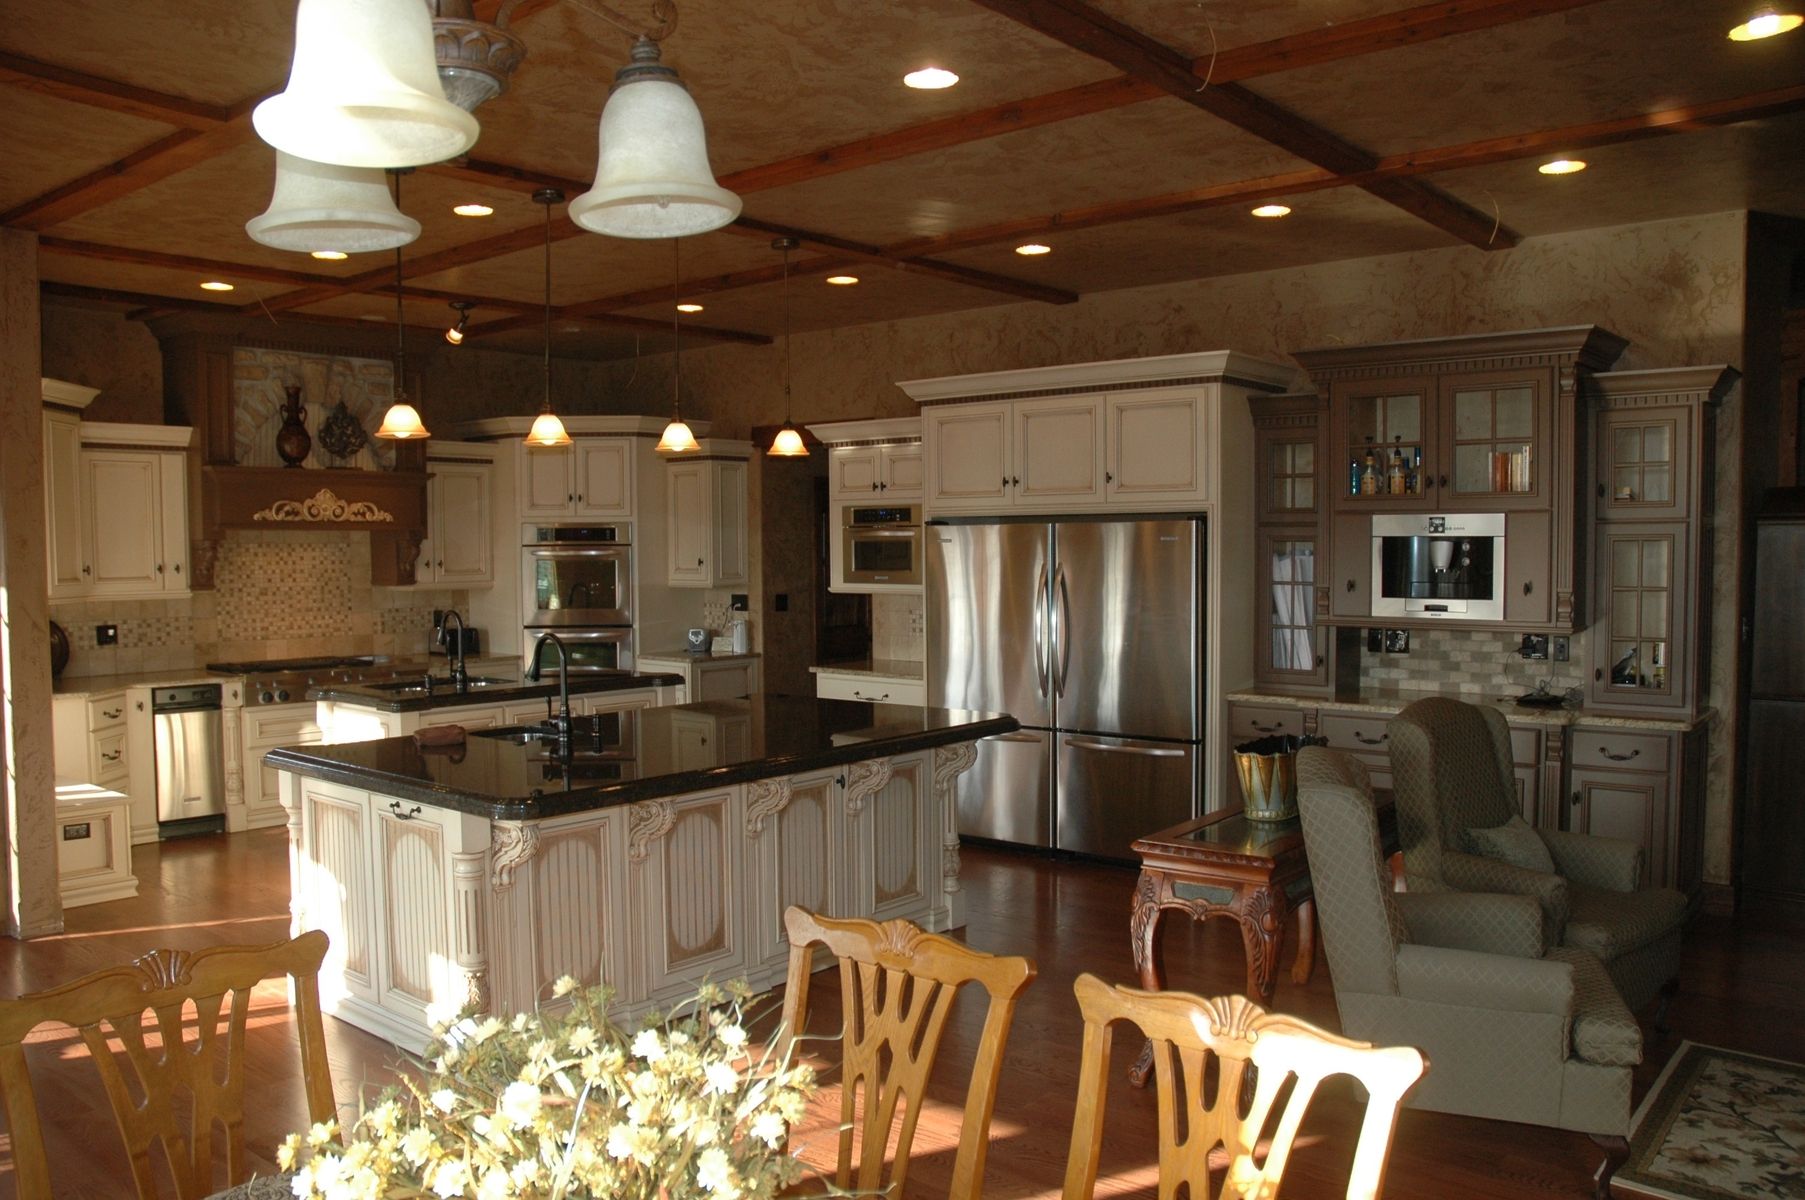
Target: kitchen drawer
column 1363, row 733
column 1526, row 747
column 1247, row 721
column 1613, row 749
column 106, row 756
column 104, row 712
column 282, row 725
column 878, row 689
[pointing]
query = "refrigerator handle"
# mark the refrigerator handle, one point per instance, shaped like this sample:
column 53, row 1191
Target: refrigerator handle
column 1040, row 628
column 1109, row 748
column 1062, row 634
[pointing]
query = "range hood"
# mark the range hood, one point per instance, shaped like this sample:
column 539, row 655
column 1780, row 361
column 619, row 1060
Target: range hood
column 388, row 505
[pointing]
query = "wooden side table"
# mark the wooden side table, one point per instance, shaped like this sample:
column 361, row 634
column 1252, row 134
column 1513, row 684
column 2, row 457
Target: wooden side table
column 1224, row 865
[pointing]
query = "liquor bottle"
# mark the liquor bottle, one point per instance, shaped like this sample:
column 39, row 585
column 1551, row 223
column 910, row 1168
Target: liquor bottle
column 1414, row 485
column 1394, row 476
column 1369, row 475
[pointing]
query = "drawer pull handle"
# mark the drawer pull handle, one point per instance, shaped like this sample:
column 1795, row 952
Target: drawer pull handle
column 1618, row 757
column 1363, row 739
column 1274, row 728
column 112, row 714
column 858, row 695
column 113, row 757
column 410, row 814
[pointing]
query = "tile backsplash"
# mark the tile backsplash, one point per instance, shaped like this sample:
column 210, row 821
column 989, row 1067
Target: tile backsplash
column 898, row 628
column 1473, row 662
column 277, row 595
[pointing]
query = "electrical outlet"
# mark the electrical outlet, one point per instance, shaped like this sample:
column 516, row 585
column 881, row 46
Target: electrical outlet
column 1562, row 649
column 737, row 601
column 781, row 602
column 1397, row 641
column 1535, row 646
column 1375, row 641
column 106, row 635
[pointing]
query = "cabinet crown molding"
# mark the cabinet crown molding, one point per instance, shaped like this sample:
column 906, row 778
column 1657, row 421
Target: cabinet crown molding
column 1714, row 381
column 137, row 437
column 65, row 394
column 1210, row 365
column 847, row 433
column 1592, row 346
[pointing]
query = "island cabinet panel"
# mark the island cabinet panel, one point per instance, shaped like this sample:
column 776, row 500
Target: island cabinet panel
column 413, row 863
column 795, row 828
column 685, row 872
column 335, row 887
column 895, row 847
column 557, row 914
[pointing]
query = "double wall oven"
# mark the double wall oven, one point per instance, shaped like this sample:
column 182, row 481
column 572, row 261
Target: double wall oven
column 579, row 584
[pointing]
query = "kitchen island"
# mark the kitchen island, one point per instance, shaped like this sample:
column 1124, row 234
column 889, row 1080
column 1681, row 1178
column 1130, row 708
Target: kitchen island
column 657, row 849
column 357, row 712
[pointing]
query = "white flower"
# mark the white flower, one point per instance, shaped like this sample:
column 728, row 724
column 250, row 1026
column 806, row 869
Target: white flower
column 565, row 986
column 486, row 1030
column 322, row 1133
column 520, row 1103
column 444, row 1100
column 286, row 1152
column 583, row 1039
column 418, row 1144
column 714, row 1172
column 769, row 1128
column 647, row 1046
column 449, row 1178
column 721, row 1078
column 495, row 1185
column 733, row 1036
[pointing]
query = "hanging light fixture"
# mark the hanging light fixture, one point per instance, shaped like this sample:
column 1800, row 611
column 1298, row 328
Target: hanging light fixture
column 475, row 58
column 402, row 422
column 677, row 437
column 788, row 443
column 455, row 335
column 363, row 89
column 548, row 431
column 652, row 178
column 322, row 208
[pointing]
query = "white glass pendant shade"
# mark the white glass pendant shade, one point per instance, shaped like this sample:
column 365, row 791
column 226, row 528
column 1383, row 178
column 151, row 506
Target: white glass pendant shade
column 677, row 438
column 547, row 431
column 402, row 423
column 319, row 206
column 788, row 444
column 363, row 89
column 652, row 178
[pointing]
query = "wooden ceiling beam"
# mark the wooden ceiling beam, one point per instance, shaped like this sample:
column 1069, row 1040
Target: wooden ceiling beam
column 48, row 79
column 1089, row 30
column 618, row 320
column 170, row 155
column 80, row 291
column 951, row 272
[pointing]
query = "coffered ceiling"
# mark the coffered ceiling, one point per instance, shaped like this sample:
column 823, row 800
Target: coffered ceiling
column 1130, row 136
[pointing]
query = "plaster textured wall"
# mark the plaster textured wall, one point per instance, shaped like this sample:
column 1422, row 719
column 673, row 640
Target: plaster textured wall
column 103, row 350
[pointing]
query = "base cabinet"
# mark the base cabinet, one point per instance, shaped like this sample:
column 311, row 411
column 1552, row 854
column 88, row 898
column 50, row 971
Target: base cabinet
column 872, row 689
column 93, row 845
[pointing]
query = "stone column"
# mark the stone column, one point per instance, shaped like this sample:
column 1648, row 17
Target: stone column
column 28, row 803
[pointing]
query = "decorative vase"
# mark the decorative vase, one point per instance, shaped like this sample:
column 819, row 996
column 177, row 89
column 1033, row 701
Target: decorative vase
column 292, row 440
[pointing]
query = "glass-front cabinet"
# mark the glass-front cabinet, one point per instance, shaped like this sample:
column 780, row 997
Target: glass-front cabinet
column 1495, row 443
column 1292, row 650
column 1639, row 588
column 1641, row 464
column 1385, row 434
column 1471, row 443
column 1291, row 644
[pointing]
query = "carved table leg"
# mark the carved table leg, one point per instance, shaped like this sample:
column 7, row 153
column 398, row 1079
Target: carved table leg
column 1306, row 941
column 1143, row 928
column 1616, row 1152
column 1261, row 912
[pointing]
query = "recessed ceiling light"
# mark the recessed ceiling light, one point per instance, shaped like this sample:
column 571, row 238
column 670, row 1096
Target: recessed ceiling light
column 1562, row 166
column 930, row 79
column 473, row 210
column 1032, row 248
column 842, row 280
column 330, row 255
column 689, row 308
column 1272, row 210
column 216, row 285
column 1766, row 24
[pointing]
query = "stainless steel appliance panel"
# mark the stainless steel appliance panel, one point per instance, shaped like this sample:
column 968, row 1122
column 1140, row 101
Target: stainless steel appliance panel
column 579, row 585
column 1448, row 566
column 881, row 545
column 988, row 643
column 1007, row 795
column 1114, row 790
column 1127, row 627
column 186, row 740
column 590, row 650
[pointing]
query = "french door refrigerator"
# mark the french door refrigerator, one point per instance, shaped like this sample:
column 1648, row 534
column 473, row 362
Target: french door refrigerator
column 1090, row 633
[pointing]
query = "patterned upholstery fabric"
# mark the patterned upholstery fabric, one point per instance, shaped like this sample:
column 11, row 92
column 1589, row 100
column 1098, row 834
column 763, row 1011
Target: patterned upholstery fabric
column 1504, row 1033
column 1513, row 842
column 1451, row 772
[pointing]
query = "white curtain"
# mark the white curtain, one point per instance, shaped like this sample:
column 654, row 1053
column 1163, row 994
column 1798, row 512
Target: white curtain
column 1293, row 588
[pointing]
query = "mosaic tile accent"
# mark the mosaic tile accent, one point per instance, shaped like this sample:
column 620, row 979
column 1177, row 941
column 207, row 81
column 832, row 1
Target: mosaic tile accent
column 366, row 385
column 283, row 585
column 898, row 627
column 1473, row 662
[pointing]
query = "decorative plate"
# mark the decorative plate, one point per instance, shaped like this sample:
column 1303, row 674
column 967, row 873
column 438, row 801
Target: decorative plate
column 341, row 433
column 59, row 649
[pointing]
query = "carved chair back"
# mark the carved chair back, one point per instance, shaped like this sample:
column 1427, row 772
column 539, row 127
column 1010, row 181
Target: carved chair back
column 203, row 1077
column 897, row 985
column 1237, row 1115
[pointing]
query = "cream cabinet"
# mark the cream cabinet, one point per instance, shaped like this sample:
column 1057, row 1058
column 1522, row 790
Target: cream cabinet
column 1155, row 446
column 876, row 473
column 707, row 676
column 459, row 546
column 873, row 689
column 706, row 522
column 89, row 739
column 93, row 845
column 134, row 522
column 63, row 508
column 266, row 728
column 592, row 477
column 969, row 449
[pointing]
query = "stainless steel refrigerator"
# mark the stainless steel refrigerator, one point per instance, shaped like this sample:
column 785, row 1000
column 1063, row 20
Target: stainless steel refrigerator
column 1090, row 633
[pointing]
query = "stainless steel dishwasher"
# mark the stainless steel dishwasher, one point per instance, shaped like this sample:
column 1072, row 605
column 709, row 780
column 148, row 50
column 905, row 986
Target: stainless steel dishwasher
column 191, row 794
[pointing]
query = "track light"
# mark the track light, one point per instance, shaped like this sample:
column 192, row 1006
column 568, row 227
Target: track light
column 455, row 335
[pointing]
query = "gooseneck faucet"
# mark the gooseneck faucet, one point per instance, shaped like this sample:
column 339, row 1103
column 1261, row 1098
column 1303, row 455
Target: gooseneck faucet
column 561, row 722
column 460, row 677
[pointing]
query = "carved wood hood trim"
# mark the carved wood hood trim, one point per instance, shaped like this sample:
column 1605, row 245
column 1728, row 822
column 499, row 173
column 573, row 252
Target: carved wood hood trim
column 388, row 505
column 323, row 505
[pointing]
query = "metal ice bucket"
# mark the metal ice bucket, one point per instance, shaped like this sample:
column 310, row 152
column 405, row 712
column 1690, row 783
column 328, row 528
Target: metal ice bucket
column 1268, row 770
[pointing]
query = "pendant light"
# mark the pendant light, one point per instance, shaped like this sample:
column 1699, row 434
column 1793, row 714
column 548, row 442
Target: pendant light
column 788, row 443
column 363, row 89
column 319, row 206
column 402, row 422
column 677, row 436
column 548, row 432
column 652, row 177
column 475, row 58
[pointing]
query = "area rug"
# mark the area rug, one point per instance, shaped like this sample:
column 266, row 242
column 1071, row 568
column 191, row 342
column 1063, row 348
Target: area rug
column 1720, row 1125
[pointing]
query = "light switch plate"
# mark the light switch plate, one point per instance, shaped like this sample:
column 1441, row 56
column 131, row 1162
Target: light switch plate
column 106, row 635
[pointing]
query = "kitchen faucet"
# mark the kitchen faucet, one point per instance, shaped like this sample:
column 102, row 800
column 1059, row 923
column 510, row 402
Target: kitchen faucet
column 561, row 722
column 460, row 677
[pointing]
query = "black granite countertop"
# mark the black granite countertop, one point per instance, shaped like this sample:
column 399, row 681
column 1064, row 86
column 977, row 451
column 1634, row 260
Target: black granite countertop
column 641, row 755
column 403, row 696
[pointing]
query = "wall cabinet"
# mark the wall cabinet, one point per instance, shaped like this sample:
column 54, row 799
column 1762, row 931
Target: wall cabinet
column 706, row 522
column 459, row 546
column 1291, row 588
column 1652, row 542
column 876, row 473
column 134, row 522
column 591, row 477
column 1472, row 424
column 65, row 534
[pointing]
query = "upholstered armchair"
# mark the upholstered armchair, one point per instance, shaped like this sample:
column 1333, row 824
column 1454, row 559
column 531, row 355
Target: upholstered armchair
column 1456, row 796
column 1512, row 1031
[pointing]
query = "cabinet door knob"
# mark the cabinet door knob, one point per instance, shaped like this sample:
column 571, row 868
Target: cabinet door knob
column 579, row 497
column 1015, row 481
column 883, row 487
column 874, row 486
column 1598, row 675
column 1109, row 477
column 1601, row 491
column 1319, row 660
column 1528, row 586
column 1005, row 484
column 177, row 568
column 1575, row 799
column 699, row 562
column 85, row 569
column 569, row 496
column 441, row 564
column 1350, row 585
column 1441, row 481
column 159, row 568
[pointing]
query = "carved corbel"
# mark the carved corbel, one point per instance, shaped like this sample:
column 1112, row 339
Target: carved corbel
column 765, row 798
column 648, row 821
column 950, row 762
column 865, row 780
column 511, row 844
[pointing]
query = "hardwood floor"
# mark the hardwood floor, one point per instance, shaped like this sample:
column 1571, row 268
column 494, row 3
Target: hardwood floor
column 1740, row 991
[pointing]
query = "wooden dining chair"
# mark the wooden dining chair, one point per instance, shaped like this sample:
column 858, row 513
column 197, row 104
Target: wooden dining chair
column 204, row 1076
column 897, row 985
column 1186, row 1031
